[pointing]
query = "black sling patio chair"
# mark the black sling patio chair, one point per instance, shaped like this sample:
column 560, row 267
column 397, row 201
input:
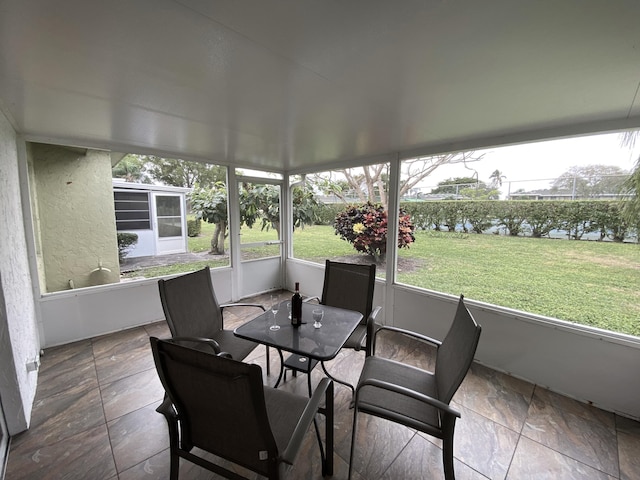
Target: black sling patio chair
column 220, row 405
column 350, row 286
column 414, row 397
column 194, row 314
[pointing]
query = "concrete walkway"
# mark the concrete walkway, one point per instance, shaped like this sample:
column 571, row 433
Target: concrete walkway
column 130, row 264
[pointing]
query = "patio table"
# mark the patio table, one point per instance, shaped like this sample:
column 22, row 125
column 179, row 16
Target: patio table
column 308, row 345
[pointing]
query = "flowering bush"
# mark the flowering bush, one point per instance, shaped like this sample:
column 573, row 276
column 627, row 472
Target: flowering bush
column 365, row 226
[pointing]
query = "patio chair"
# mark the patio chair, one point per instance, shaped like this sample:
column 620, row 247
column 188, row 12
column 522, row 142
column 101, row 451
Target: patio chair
column 219, row 405
column 350, row 286
column 195, row 316
column 414, row 397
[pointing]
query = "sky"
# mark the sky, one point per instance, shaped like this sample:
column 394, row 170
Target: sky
column 542, row 161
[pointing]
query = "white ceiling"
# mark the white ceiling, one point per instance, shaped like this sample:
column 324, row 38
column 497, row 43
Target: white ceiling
column 298, row 84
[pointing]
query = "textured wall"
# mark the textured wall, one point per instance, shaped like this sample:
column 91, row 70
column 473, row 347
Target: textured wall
column 19, row 342
column 75, row 215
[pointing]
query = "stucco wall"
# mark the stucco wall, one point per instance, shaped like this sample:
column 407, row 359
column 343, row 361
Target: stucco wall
column 19, row 342
column 75, row 216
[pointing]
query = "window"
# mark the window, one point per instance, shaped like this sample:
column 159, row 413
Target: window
column 341, row 215
column 96, row 224
column 568, row 257
column 132, row 210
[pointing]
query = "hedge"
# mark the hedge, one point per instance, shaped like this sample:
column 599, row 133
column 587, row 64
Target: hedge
column 524, row 217
column 194, row 227
column 534, row 218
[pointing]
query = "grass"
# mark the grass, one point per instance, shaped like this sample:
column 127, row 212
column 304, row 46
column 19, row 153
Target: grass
column 590, row 283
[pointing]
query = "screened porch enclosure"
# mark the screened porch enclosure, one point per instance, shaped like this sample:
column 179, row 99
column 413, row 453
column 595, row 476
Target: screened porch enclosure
column 557, row 355
column 292, row 88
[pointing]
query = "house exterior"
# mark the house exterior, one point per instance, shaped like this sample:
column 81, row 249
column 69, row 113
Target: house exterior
column 156, row 213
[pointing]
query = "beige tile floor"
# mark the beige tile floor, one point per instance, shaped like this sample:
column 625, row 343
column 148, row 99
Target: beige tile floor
column 94, row 418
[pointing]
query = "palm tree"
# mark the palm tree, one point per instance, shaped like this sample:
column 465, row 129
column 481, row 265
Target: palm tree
column 631, row 189
column 631, row 186
column 496, row 178
column 131, row 169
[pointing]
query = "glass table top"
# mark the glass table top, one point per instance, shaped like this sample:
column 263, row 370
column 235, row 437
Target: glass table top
column 322, row 343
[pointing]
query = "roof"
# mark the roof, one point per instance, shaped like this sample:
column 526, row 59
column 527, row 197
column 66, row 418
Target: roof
column 122, row 185
column 303, row 85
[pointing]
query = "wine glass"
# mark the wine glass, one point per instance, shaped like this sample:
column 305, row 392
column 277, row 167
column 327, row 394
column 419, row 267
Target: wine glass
column 317, row 317
column 275, row 305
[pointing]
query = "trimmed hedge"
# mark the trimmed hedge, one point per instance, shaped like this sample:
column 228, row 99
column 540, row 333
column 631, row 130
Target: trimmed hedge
column 534, row 218
column 524, row 217
column 194, row 227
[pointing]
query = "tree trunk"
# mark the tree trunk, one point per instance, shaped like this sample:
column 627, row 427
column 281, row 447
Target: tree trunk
column 217, row 240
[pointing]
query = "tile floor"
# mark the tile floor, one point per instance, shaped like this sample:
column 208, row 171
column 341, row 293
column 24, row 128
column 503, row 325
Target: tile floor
column 94, row 418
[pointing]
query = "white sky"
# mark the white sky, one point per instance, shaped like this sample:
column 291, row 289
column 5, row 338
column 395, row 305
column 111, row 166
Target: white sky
column 542, row 160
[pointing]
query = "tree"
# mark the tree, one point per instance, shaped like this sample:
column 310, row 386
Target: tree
column 131, row 169
column 496, row 178
column 369, row 183
column 262, row 202
column 631, row 191
column 590, row 180
column 454, row 185
column 182, row 173
column 631, row 186
column 210, row 204
column 258, row 203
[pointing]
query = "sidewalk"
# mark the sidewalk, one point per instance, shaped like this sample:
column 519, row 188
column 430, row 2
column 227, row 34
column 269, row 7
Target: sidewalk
column 131, row 264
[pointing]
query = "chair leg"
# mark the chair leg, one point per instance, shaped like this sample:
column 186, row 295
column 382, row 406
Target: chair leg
column 268, row 361
column 342, row 382
column 353, row 439
column 281, row 369
column 327, row 467
column 174, row 465
column 448, row 424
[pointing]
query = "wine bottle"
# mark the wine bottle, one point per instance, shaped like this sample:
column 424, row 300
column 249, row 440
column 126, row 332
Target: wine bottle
column 296, row 307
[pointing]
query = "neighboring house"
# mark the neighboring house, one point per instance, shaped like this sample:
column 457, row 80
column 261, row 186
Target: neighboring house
column 156, row 213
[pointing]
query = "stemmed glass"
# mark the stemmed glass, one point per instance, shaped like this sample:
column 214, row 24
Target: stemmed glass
column 275, row 305
column 317, row 317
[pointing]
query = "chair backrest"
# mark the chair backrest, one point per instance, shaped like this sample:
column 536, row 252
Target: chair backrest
column 220, row 403
column 456, row 353
column 190, row 305
column 349, row 285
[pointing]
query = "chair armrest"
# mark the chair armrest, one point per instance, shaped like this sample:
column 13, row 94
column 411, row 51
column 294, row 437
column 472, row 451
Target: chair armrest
column 421, row 397
column 372, row 326
column 308, row 299
column 309, row 413
column 215, row 346
column 402, row 331
column 166, row 409
column 257, row 305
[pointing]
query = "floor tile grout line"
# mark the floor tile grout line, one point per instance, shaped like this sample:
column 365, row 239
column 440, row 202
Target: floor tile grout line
column 104, row 413
column 565, row 455
column 523, row 434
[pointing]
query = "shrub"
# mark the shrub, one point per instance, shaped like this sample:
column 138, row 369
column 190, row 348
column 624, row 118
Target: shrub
column 194, row 227
column 365, row 227
column 526, row 217
column 125, row 241
column 326, row 213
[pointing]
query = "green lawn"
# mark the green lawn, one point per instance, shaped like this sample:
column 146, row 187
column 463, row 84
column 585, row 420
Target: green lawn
column 592, row 283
